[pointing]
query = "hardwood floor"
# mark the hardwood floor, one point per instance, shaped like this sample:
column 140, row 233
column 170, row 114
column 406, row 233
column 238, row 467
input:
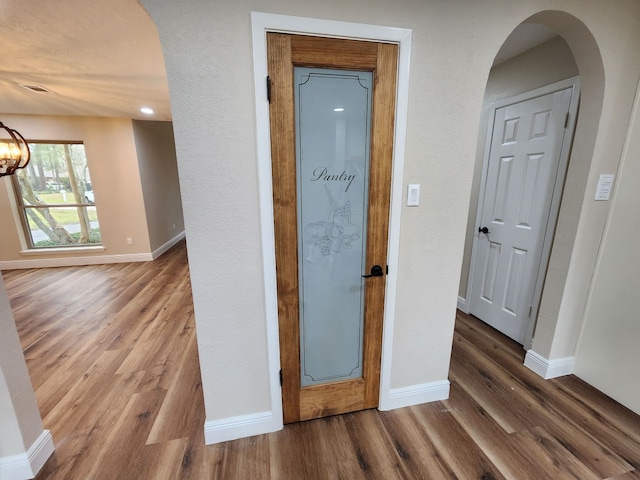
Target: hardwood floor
column 112, row 355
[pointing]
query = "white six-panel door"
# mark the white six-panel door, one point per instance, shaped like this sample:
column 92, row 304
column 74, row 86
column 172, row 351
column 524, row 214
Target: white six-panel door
column 515, row 203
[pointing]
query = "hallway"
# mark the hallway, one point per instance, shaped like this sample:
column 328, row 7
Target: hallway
column 111, row 351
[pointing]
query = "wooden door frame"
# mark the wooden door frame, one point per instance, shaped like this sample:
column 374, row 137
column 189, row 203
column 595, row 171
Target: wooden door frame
column 565, row 152
column 261, row 24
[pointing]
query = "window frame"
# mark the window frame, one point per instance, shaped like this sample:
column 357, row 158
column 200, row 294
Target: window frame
column 22, row 207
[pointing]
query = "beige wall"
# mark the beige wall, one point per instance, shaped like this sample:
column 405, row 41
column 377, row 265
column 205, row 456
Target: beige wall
column 548, row 63
column 608, row 355
column 156, row 154
column 115, row 177
column 208, row 55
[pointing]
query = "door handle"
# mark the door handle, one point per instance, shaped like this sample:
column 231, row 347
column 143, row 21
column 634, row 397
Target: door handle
column 376, row 271
column 484, row 230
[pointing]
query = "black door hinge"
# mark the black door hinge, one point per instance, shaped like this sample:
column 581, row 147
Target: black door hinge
column 269, row 89
column 387, row 272
column 280, row 377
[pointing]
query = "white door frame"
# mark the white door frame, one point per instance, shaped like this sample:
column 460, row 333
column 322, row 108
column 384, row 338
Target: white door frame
column 261, row 24
column 573, row 82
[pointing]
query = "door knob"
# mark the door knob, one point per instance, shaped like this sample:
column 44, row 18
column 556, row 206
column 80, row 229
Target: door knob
column 484, row 230
column 376, row 271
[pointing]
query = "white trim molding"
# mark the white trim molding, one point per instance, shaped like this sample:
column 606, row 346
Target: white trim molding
column 74, row 261
column 79, row 261
column 548, row 369
column 232, row 428
column 27, row 465
column 462, row 304
column 163, row 248
column 416, row 394
column 261, row 23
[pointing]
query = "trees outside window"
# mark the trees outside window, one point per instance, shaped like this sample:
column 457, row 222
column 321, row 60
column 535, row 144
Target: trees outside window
column 55, row 197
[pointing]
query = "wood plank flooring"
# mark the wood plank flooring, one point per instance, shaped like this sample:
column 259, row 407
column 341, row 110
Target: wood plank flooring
column 112, row 355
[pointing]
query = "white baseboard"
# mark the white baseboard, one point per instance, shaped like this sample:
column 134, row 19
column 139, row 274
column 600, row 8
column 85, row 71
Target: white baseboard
column 74, row 261
column 242, row 426
column 462, row 304
column 27, row 465
column 162, row 249
column 415, row 395
column 549, row 368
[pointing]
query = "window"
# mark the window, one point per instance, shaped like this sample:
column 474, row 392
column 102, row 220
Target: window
column 55, row 197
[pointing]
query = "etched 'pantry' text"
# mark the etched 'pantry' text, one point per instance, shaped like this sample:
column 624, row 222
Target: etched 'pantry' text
column 322, row 174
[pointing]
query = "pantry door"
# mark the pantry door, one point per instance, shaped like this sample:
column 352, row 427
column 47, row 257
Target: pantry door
column 332, row 115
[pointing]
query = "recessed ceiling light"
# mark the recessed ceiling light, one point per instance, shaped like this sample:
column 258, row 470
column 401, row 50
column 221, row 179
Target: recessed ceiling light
column 147, row 110
column 338, row 109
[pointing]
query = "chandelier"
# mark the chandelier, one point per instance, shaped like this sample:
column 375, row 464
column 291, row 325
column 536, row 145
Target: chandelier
column 14, row 151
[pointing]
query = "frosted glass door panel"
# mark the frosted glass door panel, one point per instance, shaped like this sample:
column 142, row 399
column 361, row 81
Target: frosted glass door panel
column 333, row 112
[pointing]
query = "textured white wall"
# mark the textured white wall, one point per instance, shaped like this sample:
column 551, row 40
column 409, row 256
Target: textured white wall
column 608, row 354
column 207, row 50
column 20, row 423
column 11, row 442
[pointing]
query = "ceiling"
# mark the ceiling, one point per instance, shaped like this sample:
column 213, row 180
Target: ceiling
column 97, row 58
column 103, row 58
column 524, row 37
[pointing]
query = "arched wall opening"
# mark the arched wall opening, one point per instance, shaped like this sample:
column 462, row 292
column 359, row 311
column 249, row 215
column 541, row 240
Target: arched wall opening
column 573, row 52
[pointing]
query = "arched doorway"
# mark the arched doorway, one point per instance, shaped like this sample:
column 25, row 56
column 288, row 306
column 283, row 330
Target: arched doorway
column 569, row 50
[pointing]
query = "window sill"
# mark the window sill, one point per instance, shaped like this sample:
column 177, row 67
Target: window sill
column 59, row 250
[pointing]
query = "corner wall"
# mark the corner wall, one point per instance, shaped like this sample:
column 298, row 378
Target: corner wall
column 24, row 444
column 608, row 354
column 156, row 153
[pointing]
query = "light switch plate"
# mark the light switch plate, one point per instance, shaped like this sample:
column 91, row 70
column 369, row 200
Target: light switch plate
column 413, row 195
column 605, row 183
